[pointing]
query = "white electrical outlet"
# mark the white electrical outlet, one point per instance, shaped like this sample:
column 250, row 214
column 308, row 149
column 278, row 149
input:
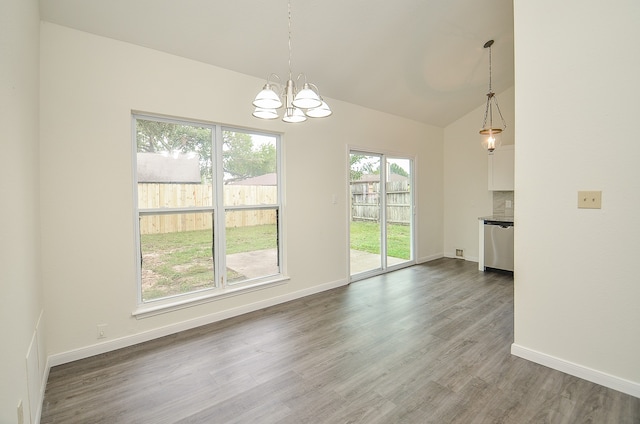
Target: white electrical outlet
column 589, row 199
column 102, row 331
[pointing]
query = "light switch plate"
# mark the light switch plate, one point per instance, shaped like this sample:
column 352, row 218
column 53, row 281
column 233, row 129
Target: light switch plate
column 589, row 199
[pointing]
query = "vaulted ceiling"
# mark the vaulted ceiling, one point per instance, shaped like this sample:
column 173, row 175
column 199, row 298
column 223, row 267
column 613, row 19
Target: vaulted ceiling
column 420, row 59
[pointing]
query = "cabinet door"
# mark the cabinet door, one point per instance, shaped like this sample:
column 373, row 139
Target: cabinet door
column 501, row 169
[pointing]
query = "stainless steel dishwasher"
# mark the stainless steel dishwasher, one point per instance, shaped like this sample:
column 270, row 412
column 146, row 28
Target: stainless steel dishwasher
column 498, row 245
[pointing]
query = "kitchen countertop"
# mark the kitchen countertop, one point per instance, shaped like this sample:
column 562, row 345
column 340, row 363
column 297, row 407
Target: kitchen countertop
column 499, row 218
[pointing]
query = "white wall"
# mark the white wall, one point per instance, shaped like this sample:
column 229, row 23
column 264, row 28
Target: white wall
column 577, row 298
column 21, row 300
column 466, row 193
column 90, row 85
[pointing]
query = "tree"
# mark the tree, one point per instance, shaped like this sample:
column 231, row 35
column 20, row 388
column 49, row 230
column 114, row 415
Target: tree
column 360, row 165
column 166, row 137
column 241, row 158
column 394, row 168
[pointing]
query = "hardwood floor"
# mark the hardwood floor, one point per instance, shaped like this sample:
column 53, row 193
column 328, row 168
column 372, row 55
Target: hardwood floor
column 426, row 344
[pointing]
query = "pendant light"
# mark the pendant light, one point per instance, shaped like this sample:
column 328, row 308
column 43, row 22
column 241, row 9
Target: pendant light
column 298, row 105
column 491, row 136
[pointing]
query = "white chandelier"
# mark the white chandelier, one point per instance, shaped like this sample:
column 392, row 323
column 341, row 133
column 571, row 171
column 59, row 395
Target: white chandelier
column 298, row 105
column 490, row 135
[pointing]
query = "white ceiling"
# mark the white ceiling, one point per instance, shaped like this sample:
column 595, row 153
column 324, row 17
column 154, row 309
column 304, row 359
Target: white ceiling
column 420, row 59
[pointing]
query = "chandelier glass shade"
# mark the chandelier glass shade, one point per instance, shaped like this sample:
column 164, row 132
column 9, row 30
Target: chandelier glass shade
column 298, row 105
column 490, row 134
column 267, row 98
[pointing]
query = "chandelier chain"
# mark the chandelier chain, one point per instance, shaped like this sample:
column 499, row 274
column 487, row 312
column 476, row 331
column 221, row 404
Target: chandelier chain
column 490, row 69
column 504, row 123
column 298, row 104
column 486, row 111
column 289, row 20
column 491, row 97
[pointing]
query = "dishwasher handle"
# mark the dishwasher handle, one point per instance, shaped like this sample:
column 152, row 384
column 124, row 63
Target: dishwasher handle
column 502, row 224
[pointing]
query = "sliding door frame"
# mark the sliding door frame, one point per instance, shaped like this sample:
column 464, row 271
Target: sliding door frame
column 384, row 266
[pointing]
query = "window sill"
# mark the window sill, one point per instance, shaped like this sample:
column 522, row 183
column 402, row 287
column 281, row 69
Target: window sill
column 182, row 302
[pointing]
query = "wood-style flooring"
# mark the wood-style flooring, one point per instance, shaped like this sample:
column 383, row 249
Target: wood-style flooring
column 426, row 344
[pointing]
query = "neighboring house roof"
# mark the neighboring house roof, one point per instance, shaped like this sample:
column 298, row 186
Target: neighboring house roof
column 159, row 168
column 270, row 179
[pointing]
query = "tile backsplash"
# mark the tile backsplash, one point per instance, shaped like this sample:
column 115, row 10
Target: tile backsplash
column 502, row 199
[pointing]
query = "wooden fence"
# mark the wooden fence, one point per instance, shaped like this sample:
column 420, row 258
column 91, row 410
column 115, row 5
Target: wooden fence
column 365, row 205
column 159, row 196
column 365, row 202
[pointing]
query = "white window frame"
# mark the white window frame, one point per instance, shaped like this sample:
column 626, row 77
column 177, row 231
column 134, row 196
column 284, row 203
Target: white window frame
column 220, row 289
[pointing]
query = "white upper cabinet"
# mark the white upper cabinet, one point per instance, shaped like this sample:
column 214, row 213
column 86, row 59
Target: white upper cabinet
column 501, row 169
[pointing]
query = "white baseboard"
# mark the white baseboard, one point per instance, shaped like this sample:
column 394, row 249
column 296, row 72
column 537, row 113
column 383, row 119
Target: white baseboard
column 43, row 369
column 452, row 255
column 108, row 346
column 589, row 374
column 429, row 258
column 45, row 378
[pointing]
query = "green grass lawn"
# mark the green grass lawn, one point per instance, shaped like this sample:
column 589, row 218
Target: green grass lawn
column 239, row 239
column 365, row 236
column 181, row 262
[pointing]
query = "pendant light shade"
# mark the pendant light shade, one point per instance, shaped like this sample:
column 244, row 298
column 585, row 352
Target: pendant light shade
column 321, row 111
column 490, row 135
column 293, row 115
column 267, row 98
column 297, row 105
column 307, row 98
column 264, row 113
column 491, row 138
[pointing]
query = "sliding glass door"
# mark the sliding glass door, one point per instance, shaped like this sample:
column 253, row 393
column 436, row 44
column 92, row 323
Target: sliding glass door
column 399, row 212
column 381, row 213
column 365, row 229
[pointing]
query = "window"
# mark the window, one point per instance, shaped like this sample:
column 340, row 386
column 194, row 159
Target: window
column 208, row 208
